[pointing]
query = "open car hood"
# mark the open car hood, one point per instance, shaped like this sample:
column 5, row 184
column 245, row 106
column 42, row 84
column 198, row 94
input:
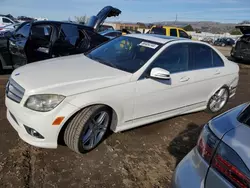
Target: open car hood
column 244, row 28
column 96, row 21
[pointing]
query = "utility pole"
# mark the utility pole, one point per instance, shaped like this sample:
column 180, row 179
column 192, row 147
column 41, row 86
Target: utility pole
column 176, row 18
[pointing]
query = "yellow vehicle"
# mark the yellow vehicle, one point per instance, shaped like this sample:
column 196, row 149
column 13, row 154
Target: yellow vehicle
column 169, row 31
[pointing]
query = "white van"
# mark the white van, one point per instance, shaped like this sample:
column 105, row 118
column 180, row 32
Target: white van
column 5, row 21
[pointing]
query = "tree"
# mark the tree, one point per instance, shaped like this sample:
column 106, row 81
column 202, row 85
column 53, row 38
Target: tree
column 188, row 28
column 81, row 19
column 235, row 32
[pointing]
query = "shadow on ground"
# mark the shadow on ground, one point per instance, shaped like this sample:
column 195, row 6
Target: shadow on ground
column 181, row 145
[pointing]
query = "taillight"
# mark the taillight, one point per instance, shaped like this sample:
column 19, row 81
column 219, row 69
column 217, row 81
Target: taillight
column 223, row 159
column 229, row 164
column 207, row 144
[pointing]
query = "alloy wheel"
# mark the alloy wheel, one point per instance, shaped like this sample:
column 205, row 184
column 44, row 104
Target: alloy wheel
column 219, row 100
column 95, row 130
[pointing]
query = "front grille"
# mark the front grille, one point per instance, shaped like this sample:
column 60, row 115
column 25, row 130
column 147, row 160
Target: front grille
column 14, row 91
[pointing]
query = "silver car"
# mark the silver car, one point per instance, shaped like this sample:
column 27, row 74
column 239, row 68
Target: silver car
column 222, row 155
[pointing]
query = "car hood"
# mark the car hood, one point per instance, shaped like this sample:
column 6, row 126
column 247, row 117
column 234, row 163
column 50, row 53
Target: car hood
column 108, row 11
column 67, row 76
column 245, row 28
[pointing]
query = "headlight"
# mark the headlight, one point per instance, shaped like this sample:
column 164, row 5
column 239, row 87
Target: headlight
column 43, row 102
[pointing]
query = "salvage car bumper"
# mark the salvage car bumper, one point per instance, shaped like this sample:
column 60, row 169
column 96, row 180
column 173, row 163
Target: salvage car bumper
column 24, row 120
column 190, row 172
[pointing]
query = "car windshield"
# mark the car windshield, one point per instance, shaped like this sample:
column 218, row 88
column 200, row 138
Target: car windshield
column 125, row 53
column 244, row 116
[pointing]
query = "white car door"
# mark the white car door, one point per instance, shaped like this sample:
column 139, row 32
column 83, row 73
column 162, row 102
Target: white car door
column 208, row 69
column 158, row 97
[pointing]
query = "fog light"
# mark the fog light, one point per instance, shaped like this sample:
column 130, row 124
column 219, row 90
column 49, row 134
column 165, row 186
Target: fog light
column 33, row 132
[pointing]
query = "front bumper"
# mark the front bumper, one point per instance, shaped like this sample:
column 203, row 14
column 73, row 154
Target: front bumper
column 20, row 116
column 190, row 172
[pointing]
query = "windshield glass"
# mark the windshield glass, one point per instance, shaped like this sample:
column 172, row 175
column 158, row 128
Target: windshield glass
column 125, row 53
column 244, row 116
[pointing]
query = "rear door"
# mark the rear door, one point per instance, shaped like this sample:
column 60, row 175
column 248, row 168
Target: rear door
column 38, row 46
column 17, row 45
column 208, row 70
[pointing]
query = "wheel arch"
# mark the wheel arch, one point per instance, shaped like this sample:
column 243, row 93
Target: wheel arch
column 112, row 127
column 216, row 89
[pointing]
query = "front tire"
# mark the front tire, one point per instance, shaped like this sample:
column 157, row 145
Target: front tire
column 217, row 102
column 88, row 128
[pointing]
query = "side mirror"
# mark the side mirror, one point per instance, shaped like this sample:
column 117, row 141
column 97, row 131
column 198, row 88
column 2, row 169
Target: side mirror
column 160, row 73
column 190, row 37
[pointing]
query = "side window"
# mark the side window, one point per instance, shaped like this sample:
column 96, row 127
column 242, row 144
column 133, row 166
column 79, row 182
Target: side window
column 174, row 59
column 173, row 32
column 41, row 32
column 201, row 56
column 5, row 20
column 217, row 61
column 158, row 31
column 23, row 31
column 183, row 34
column 69, row 33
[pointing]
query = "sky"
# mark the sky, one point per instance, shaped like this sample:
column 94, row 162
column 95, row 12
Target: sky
column 227, row 11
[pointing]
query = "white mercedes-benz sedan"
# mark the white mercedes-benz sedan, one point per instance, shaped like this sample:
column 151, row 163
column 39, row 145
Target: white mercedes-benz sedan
column 127, row 82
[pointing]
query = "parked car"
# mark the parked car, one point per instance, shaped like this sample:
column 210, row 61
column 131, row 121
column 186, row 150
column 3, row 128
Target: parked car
column 169, row 31
column 9, row 27
column 241, row 50
column 111, row 33
column 221, row 157
column 224, row 42
column 208, row 40
column 40, row 40
column 124, row 83
column 5, row 21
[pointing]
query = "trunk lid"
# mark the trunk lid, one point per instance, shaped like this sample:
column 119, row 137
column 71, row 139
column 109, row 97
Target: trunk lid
column 244, row 28
column 108, row 11
column 227, row 121
column 238, row 139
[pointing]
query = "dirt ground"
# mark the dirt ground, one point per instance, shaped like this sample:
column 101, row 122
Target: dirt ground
column 142, row 157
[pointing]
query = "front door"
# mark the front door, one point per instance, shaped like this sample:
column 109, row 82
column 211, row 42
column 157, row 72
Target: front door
column 155, row 97
column 17, row 45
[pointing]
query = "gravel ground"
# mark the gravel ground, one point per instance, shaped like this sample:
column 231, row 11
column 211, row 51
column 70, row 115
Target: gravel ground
column 142, row 157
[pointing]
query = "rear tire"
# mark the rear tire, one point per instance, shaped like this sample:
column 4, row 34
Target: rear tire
column 218, row 101
column 88, row 128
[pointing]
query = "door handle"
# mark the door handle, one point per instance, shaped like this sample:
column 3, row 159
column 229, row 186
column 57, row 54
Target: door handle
column 217, row 72
column 184, row 79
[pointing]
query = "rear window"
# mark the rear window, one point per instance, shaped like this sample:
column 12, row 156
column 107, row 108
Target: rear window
column 244, row 116
column 158, row 31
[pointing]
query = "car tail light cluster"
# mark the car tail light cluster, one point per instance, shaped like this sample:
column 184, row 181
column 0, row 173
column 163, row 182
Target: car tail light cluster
column 223, row 159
